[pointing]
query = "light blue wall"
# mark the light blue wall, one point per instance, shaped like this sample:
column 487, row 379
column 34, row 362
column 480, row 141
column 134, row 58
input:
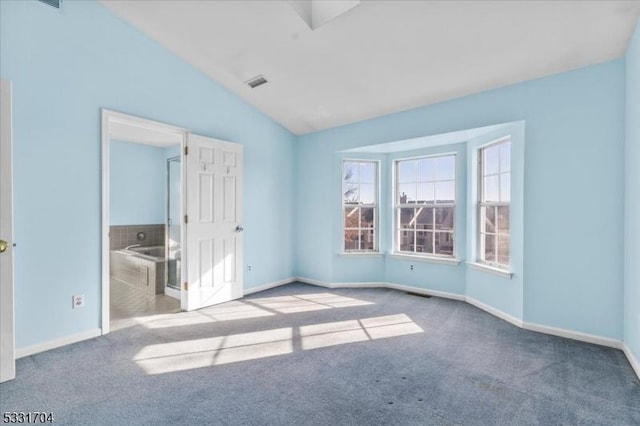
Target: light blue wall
column 172, row 151
column 65, row 66
column 137, row 184
column 632, row 193
column 572, row 251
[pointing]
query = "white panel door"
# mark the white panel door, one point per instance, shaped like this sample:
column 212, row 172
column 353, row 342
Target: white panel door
column 214, row 222
column 7, row 339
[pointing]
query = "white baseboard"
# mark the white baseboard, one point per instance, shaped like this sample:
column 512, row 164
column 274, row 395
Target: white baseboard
column 314, row 282
column 369, row 284
column 427, row 292
column 575, row 335
column 494, row 311
column 56, row 343
column 268, row 286
column 380, row 284
column 635, row 364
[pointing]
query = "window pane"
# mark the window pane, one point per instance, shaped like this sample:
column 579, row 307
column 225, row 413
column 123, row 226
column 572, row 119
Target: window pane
column 350, row 171
column 505, row 187
column 505, row 157
column 406, row 171
column 367, row 217
column 503, row 219
column 426, row 170
column 367, row 240
column 367, row 172
column 367, row 193
column 426, row 193
column 407, row 193
column 488, row 219
column 445, row 192
column 491, row 160
column 489, row 247
column 490, row 189
column 444, row 243
column 350, row 192
column 424, row 242
column 446, row 168
column 351, row 217
column 444, row 218
column 503, row 250
column 351, row 239
column 406, row 218
column 407, row 240
column 425, row 218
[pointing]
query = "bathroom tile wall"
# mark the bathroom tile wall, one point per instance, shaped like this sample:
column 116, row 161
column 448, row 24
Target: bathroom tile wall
column 122, row 236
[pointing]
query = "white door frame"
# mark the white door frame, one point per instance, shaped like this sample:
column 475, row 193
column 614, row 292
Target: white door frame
column 7, row 304
column 109, row 119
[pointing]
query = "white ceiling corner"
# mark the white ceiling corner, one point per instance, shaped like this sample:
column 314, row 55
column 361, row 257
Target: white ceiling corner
column 318, row 12
column 381, row 56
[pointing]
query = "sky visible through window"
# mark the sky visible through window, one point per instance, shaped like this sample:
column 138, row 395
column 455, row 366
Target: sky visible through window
column 426, row 180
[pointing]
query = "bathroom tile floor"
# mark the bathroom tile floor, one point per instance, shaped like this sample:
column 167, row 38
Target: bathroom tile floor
column 129, row 305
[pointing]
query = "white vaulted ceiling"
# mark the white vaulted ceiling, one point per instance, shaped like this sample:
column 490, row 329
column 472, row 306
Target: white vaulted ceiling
column 381, row 56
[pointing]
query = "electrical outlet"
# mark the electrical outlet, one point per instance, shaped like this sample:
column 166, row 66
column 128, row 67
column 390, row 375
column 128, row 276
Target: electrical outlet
column 411, row 267
column 78, row 301
column 249, row 268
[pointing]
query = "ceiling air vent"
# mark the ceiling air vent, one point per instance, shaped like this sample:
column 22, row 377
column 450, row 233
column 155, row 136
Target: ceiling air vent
column 256, row 81
column 53, row 3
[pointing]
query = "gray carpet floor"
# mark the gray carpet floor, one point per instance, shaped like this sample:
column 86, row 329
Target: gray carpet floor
column 303, row 355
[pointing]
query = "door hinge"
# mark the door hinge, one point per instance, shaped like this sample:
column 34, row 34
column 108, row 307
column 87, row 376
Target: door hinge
column 186, row 286
column 186, row 218
column 186, row 150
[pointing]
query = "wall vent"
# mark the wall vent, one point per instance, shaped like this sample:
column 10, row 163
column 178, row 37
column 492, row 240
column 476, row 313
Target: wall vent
column 256, row 81
column 52, row 3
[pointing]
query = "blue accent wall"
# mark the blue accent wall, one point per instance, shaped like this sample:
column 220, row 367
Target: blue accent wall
column 572, row 256
column 65, row 66
column 137, row 184
column 632, row 193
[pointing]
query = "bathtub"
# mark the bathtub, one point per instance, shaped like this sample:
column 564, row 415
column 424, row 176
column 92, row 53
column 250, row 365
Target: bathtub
column 140, row 267
column 156, row 253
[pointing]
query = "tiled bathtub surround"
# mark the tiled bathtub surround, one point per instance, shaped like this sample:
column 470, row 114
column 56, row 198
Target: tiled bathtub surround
column 144, row 274
column 122, row 236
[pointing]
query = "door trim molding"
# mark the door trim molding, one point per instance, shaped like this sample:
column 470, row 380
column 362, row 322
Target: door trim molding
column 7, row 293
column 109, row 118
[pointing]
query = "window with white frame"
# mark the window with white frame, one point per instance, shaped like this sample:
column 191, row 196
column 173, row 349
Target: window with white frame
column 494, row 204
column 425, row 201
column 360, row 205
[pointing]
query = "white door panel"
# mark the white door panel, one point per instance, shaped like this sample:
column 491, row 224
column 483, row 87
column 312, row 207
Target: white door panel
column 7, row 332
column 214, row 211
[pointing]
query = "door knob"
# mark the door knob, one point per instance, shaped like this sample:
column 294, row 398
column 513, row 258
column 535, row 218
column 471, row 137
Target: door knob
column 239, row 228
column 3, row 246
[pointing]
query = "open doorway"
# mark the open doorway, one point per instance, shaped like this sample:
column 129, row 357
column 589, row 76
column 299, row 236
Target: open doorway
column 172, row 234
column 142, row 214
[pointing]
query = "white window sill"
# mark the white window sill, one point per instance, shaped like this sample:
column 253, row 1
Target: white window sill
column 360, row 254
column 490, row 269
column 432, row 259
